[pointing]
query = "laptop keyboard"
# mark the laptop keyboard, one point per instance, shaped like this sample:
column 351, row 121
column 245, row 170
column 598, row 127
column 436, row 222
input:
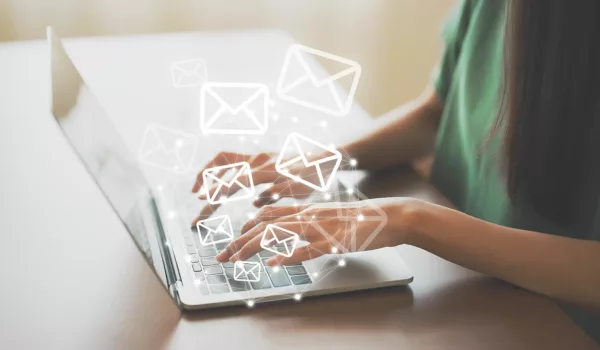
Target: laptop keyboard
column 212, row 277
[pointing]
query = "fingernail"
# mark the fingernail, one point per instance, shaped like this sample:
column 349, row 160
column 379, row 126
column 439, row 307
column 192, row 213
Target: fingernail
column 221, row 256
column 234, row 258
column 272, row 262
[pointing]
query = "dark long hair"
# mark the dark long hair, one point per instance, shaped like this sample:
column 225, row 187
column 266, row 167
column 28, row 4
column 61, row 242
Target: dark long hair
column 550, row 105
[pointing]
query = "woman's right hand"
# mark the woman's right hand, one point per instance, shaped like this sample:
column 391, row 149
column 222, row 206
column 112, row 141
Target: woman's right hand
column 263, row 171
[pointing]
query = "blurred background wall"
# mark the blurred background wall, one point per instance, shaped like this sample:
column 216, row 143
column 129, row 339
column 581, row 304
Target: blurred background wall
column 395, row 41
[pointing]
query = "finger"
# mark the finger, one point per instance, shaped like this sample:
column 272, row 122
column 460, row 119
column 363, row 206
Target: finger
column 264, row 173
column 282, row 190
column 269, row 213
column 205, row 213
column 301, row 254
column 253, row 246
column 220, row 159
column 234, row 246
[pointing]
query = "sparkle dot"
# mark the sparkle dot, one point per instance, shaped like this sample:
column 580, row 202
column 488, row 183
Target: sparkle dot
column 197, row 282
column 324, row 123
column 179, row 143
column 256, row 198
column 250, row 303
column 361, row 217
column 327, row 196
column 314, row 217
column 159, row 188
column 296, row 204
column 353, row 162
column 315, row 274
column 242, row 139
column 342, row 263
column 167, row 244
column 251, row 215
column 276, row 196
column 298, row 217
column 331, row 145
column 334, row 250
column 297, row 296
column 294, row 119
column 275, row 116
column 172, row 214
column 223, row 198
column 255, row 142
column 350, row 191
column 276, row 269
column 309, row 154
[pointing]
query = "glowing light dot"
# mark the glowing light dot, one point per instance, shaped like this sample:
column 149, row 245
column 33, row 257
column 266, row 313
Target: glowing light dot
column 251, row 215
column 342, row 263
column 250, row 303
column 323, row 123
column 309, row 154
column 296, row 204
column 298, row 217
column 315, row 274
column 276, row 196
column 275, row 116
column 197, row 282
column 314, row 217
column 334, row 250
column 294, row 119
column 167, row 244
column 159, row 188
column 223, row 198
column 255, row 142
column 353, row 162
column 242, row 139
column 327, row 196
column 361, row 217
column 331, row 145
column 179, row 143
column 350, row 191
column 172, row 214
column 297, row 296
column 256, row 198
column 276, row 269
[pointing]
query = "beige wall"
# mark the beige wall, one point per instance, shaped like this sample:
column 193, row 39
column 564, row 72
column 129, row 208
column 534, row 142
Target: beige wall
column 396, row 41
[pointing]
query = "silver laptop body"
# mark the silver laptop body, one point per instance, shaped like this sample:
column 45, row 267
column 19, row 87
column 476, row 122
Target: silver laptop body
column 187, row 269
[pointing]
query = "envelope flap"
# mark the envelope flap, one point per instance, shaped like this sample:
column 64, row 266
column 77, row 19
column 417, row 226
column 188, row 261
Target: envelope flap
column 193, row 67
column 338, row 67
column 235, row 171
column 311, row 148
column 235, row 97
column 281, row 235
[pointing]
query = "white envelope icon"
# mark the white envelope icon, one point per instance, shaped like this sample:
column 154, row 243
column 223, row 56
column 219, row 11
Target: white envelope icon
column 234, row 108
column 296, row 153
column 299, row 82
column 188, row 73
column 246, row 271
column 168, row 149
column 231, row 179
column 215, row 230
column 275, row 235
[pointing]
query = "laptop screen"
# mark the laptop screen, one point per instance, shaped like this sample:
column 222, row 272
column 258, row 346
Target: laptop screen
column 99, row 146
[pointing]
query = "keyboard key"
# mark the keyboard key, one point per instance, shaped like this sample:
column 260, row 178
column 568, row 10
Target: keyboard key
column 221, row 246
column 266, row 254
column 209, row 261
column 219, row 288
column 301, row 279
column 194, row 258
column 197, row 267
column 253, row 258
column 229, row 273
column 279, row 278
column 200, row 276
column 263, row 282
column 216, row 279
column 196, row 239
column 206, row 252
column 213, row 270
column 189, row 241
column 228, row 265
column 295, row 270
column 239, row 286
column 203, row 288
column 191, row 249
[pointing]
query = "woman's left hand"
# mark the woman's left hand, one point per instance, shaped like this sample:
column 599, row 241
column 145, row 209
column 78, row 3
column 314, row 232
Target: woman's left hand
column 320, row 225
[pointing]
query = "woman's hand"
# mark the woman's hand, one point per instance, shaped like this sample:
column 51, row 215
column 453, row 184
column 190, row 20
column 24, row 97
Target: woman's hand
column 320, row 225
column 263, row 171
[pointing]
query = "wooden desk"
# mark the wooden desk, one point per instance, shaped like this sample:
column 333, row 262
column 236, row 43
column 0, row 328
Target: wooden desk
column 72, row 278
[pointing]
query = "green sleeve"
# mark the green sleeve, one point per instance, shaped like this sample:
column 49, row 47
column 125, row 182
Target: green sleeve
column 453, row 33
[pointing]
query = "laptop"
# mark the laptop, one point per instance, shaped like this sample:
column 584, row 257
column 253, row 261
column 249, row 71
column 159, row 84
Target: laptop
column 188, row 269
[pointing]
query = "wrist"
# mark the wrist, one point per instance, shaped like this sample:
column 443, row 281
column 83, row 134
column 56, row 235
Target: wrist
column 411, row 220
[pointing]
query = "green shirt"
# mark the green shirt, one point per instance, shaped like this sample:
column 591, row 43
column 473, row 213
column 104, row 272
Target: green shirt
column 468, row 81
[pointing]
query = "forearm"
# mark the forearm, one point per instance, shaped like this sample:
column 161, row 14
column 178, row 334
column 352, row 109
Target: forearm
column 562, row 268
column 410, row 134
